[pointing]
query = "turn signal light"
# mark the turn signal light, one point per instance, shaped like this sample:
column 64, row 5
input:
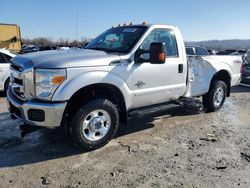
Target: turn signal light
column 58, row 79
column 162, row 56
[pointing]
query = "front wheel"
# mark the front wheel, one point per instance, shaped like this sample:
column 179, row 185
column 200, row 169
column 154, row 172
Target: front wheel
column 95, row 124
column 215, row 97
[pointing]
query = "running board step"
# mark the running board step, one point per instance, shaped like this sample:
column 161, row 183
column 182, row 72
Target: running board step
column 151, row 109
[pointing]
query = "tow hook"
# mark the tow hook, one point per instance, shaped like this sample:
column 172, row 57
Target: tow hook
column 26, row 129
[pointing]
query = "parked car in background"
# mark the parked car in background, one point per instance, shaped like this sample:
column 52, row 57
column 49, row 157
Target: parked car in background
column 245, row 78
column 63, row 48
column 196, row 50
column 248, row 56
column 5, row 57
column 242, row 53
column 226, row 52
column 30, row 48
column 44, row 48
column 212, row 52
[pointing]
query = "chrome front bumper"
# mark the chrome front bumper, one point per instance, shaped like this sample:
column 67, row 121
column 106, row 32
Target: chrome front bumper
column 52, row 112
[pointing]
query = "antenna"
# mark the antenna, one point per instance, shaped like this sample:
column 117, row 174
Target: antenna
column 76, row 25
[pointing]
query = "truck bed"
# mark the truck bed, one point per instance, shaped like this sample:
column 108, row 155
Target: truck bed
column 201, row 70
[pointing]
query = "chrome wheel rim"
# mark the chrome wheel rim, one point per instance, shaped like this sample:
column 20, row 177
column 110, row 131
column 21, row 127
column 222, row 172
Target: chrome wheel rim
column 218, row 96
column 96, row 125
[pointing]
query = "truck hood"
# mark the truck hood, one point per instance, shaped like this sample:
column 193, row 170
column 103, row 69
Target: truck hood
column 68, row 58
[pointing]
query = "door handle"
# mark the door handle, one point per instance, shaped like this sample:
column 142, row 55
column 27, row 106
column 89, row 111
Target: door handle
column 180, row 68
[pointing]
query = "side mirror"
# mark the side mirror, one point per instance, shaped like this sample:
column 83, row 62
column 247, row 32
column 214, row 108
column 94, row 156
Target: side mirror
column 157, row 53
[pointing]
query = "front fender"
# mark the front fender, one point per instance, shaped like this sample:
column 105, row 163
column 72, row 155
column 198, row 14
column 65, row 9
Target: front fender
column 83, row 79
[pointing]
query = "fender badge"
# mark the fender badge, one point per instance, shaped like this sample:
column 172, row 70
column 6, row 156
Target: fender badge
column 139, row 84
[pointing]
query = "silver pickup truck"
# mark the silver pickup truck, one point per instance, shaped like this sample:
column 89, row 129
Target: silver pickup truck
column 124, row 70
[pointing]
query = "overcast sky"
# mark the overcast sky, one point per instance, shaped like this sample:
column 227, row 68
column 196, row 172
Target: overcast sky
column 197, row 19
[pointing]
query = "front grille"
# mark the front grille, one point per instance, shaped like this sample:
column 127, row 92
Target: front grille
column 17, row 81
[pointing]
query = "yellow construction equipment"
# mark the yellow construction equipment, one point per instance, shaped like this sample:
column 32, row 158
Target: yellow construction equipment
column 10, row 37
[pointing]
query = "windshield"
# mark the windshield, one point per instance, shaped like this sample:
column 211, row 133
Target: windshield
column 119, row 39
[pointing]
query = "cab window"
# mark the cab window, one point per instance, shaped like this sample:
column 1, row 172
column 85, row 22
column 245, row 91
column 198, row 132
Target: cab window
column 164, row 36
column 189, row 51
column 201, row 51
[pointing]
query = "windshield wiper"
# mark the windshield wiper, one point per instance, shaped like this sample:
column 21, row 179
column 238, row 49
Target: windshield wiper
column 101, row 49
column 106, row 50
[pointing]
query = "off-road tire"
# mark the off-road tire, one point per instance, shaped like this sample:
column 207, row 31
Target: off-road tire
column 77, row 124
column 209, row 98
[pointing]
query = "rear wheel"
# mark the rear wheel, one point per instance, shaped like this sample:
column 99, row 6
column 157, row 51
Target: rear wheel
column 215, row 97
column 95, row 124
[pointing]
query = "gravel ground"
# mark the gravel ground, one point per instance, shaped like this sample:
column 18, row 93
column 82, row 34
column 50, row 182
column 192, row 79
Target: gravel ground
column 183, row 147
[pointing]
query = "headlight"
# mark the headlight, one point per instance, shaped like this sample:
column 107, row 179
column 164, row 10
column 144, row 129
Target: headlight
column 47, row 81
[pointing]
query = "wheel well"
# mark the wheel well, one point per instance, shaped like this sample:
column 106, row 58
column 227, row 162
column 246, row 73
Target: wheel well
column 91, row 92
column 223, row 75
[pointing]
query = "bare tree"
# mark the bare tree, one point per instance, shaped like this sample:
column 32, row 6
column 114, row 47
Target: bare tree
column 42, row 41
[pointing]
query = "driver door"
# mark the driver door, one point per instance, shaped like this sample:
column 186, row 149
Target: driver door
column 157, row 83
